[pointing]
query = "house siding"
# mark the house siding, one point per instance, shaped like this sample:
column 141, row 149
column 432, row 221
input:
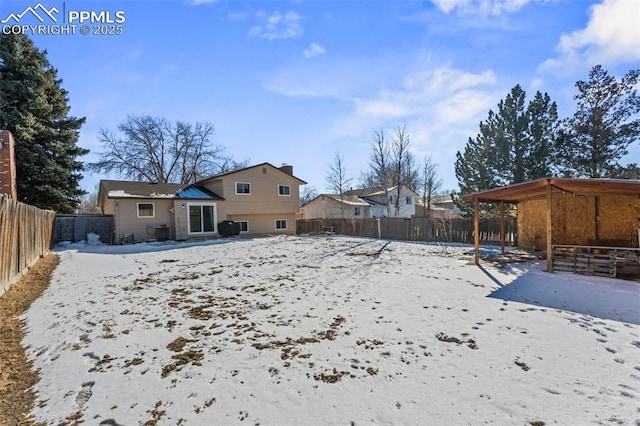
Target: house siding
column 266, row 223
column 327, row 208
column 264, row 197
column 126, row 220
column 261, row 208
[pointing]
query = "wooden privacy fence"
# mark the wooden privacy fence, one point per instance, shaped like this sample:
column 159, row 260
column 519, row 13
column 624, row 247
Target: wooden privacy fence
column 25, row 236
column 415, row 229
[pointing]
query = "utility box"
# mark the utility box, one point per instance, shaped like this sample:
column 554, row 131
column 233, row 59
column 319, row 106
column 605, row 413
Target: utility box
column 162, row 233
column 228, row 228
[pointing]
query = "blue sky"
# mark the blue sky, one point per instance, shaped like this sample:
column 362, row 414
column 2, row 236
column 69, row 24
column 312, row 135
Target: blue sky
column 295, row 82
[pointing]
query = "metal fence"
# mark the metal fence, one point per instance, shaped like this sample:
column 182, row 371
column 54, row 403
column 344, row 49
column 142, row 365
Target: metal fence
column 25, row 236
column 415, row 229
column 75, row 227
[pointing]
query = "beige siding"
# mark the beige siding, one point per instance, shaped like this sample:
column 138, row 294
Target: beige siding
column 126, row 220
column 181, row 225
column 261, row 208
column 264, row 198
column 266, row 223
column 328, row 208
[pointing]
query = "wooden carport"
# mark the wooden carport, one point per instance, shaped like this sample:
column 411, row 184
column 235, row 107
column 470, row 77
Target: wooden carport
column 542, row 189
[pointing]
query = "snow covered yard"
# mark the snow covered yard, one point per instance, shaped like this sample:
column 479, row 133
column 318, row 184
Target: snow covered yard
column 328, row 330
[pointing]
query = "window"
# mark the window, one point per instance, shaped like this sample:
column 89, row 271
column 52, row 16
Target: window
column 244, row 225
column 146, row 210
column 243, row 188
column 281, row 224
column 357, row 211
column 202, row 218
column 408, row 200
column 392, row 199
column 284, row 190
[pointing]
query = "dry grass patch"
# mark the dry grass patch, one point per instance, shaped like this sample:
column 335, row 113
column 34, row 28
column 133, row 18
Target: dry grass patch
column 16, row 375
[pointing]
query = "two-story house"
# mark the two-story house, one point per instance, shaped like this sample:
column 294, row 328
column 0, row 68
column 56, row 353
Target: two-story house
column 362, row 203
column 263, row 199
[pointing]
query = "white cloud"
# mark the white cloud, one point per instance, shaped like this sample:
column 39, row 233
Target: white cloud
column 199, row 2
column 536, row 84
column 611, row 36
column 278, row 26
column 441, row 107
column 314, row 49
column 237, row 16
column 482, row 7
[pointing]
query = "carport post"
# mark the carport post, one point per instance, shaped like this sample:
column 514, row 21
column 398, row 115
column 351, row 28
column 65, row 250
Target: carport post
column 502, row 227
column 549, row 232
column 476, row 231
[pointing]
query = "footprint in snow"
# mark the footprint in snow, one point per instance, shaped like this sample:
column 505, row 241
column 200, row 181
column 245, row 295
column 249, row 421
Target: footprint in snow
column 84, row 394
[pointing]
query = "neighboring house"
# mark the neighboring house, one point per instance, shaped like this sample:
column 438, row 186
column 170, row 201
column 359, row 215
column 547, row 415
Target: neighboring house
column 442, row 206
column 361, row 203
column 263, row 198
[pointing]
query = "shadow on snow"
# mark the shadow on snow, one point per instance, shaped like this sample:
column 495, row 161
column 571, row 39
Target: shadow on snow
column 605, row 298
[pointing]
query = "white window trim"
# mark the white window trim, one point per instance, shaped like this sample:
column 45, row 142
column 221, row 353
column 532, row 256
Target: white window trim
column 243, row 193
column 286, row 225
column 284, row 195
column 245, row 221
column 146, row 217
column 215, row 219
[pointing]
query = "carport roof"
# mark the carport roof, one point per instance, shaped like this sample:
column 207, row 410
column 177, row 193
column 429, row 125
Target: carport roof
column 537, row 189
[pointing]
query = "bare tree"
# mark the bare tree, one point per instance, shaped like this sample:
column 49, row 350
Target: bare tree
column 391, row 164
column 308, row 193
column 155, row 150
column 338, row 181
column 430, row 183
column 379, row 174
column 88, row 203
column 400, row 154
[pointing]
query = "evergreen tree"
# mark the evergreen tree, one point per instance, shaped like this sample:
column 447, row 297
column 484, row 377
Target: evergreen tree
column 34, row 107
column 605, row 123
column 513, row 145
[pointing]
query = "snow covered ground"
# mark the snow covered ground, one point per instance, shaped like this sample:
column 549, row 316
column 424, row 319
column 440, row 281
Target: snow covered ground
column 329, row 330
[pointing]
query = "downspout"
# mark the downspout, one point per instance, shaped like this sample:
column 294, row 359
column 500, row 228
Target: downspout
column 117, row 219
column 173, row 223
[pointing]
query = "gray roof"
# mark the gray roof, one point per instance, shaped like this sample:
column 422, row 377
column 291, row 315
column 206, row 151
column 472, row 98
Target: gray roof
column 128, row 189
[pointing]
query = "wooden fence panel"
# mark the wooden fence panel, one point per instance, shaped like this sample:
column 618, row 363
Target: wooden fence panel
column 415, row 229
column 25, row 236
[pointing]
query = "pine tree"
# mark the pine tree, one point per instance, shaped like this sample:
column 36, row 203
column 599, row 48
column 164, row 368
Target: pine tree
column 513, row 145
column 34, row 107
column 604, row 124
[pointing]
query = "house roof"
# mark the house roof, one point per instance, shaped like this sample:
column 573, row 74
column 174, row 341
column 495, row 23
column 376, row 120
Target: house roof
column 218, row 176
column 128, row 189
column 537, row 189
column 195, row 192
column 351, row 200
column 376, row 190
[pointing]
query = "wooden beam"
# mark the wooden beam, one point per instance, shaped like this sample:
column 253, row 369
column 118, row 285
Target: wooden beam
column 476, row 231
column 502, row 227
column 549, row 231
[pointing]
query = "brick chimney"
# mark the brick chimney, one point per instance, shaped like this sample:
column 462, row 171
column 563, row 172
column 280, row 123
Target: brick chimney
column 7, row 165
column 287, row 169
